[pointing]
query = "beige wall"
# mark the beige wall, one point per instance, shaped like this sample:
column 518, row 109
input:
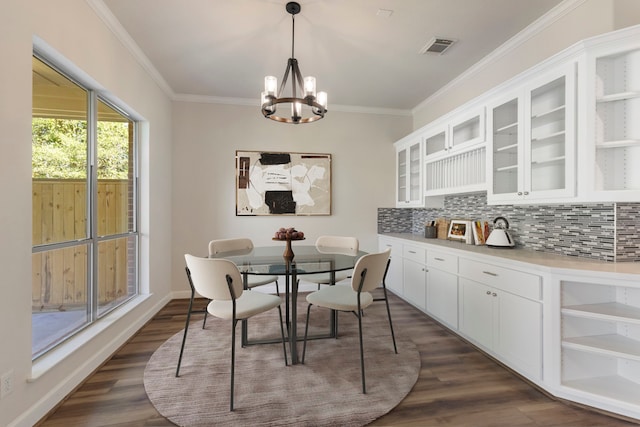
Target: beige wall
column 206, row 137
column 70, row 30
column 582, row 20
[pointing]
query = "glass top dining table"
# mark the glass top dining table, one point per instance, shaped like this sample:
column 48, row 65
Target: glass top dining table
column 307, row 259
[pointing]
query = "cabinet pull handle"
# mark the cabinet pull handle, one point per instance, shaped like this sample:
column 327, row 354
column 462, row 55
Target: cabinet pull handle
column 490, row 273
column 412, row 252
column 439, row 259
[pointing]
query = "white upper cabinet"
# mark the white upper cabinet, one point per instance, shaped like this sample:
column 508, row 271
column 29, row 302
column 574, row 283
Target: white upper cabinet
column 455, row 153
column 613, row 119
column 454, row 133
column 531, row 140
column 409, row 172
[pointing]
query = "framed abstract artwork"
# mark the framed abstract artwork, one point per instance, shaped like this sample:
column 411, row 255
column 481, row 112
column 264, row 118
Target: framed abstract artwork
column 278, row 183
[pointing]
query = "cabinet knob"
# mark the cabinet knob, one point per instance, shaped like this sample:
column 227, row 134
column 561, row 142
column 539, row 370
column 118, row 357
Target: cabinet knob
column 519, row 193
column 488, row 292
column 526, row 193
column 494, row 294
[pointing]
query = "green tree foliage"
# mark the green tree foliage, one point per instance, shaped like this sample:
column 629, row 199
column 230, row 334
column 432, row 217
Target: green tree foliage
column 60, row 149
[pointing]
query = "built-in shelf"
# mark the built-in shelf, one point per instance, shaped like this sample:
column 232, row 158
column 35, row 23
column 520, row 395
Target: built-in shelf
column 507, row 147
column 608, row 345
column 613, row 387
column 549, row 136
column 508, row 127
column 618, row 144
column 554, row 111
column 548, row 161
column 507, row 168
column 612, row 311
column 618, row 96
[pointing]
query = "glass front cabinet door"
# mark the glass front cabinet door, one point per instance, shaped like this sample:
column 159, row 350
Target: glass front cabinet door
column 613, row 73
column 409, row 172
column 532, row 141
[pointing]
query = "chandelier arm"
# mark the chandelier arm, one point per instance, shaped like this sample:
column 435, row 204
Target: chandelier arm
column 284, row 78
column 298, row 78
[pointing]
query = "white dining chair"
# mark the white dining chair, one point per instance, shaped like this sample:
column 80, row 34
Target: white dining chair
column 334, row 244
column 368, row 274
column 219, row 246
column 220, row 281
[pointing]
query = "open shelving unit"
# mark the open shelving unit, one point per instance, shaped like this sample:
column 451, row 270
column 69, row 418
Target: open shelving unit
column 617, row 128
column 601, row 340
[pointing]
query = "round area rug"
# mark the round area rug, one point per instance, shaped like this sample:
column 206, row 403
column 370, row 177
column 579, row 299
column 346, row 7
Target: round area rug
column 325, row 391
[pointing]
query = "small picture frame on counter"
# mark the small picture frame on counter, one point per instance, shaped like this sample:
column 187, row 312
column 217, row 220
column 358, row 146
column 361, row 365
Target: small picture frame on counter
column 461, row 230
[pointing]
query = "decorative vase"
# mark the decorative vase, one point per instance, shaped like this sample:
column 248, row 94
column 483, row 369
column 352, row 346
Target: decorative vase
column 288, row 252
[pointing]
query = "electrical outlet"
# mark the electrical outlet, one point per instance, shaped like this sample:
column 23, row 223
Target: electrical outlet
column 6, row 384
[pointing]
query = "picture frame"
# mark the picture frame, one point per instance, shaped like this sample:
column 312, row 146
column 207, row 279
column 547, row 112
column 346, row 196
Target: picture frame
column 282, row 183
column 460, row 230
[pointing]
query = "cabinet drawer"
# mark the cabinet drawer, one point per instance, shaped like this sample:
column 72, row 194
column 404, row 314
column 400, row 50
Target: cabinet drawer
column 396, row 247
column 415, row 253
column 517, row 282
column 443, row 261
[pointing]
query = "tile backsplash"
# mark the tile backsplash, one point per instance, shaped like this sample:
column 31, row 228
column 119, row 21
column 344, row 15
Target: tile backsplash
column 604, row 231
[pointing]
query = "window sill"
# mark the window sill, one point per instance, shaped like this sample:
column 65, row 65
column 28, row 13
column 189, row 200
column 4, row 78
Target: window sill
column 55, row 356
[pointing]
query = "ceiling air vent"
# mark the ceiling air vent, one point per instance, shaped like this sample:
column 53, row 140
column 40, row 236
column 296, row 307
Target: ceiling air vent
column 437, row 45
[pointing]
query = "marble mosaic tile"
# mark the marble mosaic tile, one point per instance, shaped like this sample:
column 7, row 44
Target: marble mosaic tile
column 607, row 231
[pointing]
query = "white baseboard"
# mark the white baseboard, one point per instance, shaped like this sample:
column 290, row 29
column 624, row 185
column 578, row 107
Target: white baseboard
column 56, row 394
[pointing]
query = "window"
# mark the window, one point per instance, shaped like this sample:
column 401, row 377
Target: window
column 85, row 238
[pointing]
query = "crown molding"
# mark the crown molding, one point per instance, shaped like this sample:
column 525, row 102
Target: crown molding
column 105, row 14
column 507, row 47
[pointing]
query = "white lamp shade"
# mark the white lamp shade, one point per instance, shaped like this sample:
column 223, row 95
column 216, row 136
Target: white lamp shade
column 309, row 86
column 270, row 85
column 322, row 99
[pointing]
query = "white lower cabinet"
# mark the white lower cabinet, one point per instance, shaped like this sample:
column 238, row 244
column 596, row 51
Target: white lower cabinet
column 415, row 275
column 591, row 324
column 442, row 287
column 505, row 323
column 393, row 280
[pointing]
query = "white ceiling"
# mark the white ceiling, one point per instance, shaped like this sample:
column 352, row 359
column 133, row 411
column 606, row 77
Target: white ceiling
column 223, row 49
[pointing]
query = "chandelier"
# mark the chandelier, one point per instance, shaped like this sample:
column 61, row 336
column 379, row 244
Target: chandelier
column 303, row 91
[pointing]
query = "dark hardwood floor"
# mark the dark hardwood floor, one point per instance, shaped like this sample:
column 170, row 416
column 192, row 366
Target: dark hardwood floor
column 458, row 385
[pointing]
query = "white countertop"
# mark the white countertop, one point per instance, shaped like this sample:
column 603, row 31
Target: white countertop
column 546, row 261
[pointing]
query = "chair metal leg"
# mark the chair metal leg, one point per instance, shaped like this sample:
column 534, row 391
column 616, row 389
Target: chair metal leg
column 284, row 344
column 204, row 322
column 306, row 331
column 233, row 359
column 386, row 301
column 364, row 389
column 184, row 337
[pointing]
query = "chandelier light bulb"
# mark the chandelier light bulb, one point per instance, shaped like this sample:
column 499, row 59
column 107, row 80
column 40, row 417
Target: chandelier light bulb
column 309, row 86
column 322, row 99
column 270, row 85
